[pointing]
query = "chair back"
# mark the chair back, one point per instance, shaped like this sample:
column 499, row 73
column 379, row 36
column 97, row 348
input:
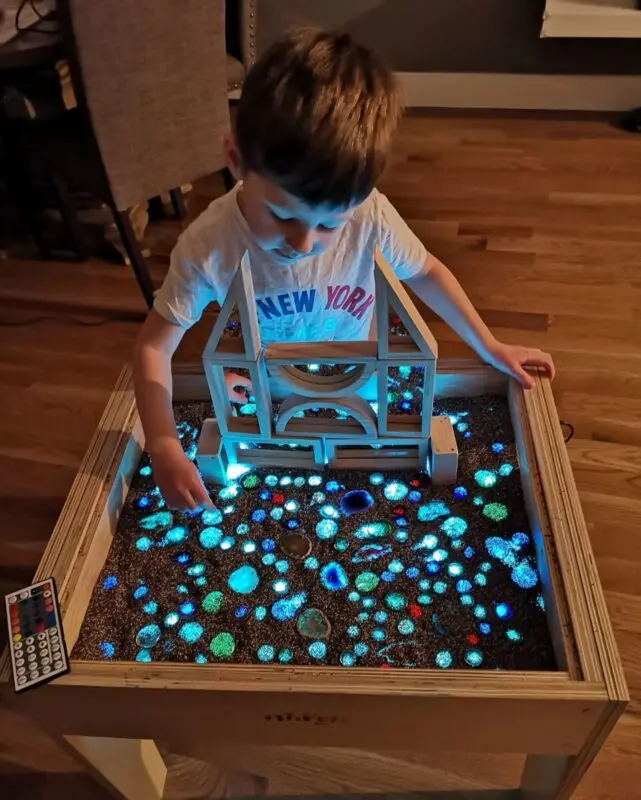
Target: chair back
column 152, row 76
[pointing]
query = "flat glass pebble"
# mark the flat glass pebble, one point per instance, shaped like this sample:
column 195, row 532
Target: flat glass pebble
column 265, row 653
column 148, row 636
column 223, row 645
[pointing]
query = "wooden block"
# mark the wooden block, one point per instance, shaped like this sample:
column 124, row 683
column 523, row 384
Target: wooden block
column 321, row 352
column 211, row 458
column 279, row 454
column 354, row 406
column 318, row 386
column 393, row 453
column 223, row 408
column 443, row 452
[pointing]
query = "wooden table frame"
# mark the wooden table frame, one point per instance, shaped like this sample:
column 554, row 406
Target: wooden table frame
column 110, row 713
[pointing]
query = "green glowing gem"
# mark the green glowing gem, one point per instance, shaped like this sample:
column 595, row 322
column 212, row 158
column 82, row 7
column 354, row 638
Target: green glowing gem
column 213, row 602
column 250, row 481
column 366, row 581
column 495, row 511
column 222, row 645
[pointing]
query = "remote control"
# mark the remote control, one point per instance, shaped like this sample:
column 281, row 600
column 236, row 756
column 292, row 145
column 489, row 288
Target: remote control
column 38, row 650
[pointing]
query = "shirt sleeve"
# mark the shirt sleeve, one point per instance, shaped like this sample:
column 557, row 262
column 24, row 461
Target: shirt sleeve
column 402, row 248
column 186, row 291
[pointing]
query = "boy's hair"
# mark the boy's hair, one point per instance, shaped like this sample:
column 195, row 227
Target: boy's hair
column 317, row 115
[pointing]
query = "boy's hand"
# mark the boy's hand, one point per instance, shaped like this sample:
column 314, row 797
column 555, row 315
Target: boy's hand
column 233, row 382
column 512, row 359
column 178, row 479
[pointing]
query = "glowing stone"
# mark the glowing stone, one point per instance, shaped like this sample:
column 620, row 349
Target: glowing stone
column 443, row 659
column 405, row 626
column 503, row 611
column 260, row 612
column 371, row 552
column 501, row 549
column 212, row 516
column 286, row 656
column 249, row 547
column 311, row 562
column 107, row 649
column 455, row 569
column 315, row 480
column 463, row 586
column 266, row 653
column 485, row 478
column 295, row 545
column 171, row 619
column 148, row 636
column 143, row 656
column 432, row 511
column 524, row 575
column 347, row 659
column 243, row 580
column 424, row 599
column 162, row 519
column 505, row 470
column 428, row 542
column 187, row 608
column 334, row 577
column 440, row 587
column 439, row 554
column 460, row 492
column 210, row 537
column 250, row 481
column 222, row 645
column 480, row 579
column 513, row 636
column 228, row 492
column 495, row 511
column 317, row 650
column 268, row 559
column 366, row 581
column 191, row 632
column 497, row 447
column 200, row 658
column 376, row 479
column 540, row 602
column 373, row 530
column 110, row 582
column 480, row 612
column 454, row 526
column 356, row 501
column 520, row 540
column 259, row 515
column 474, row 658
column 326, row 528
column 139, row 592
column 329, row 512
column 485, row 628
column 144, row 543
column 379, row 635
column 151, row 607
column 175, row 535
column 288, row 607
column 145, row 471
column 280, row 586
column 212, row 603
column 242, row 529
column 313, row 624
column 395, row 601
column 196, row 569
column 395, row 491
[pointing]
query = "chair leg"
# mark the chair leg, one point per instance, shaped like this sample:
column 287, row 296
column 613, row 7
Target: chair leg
column 178, row 203
column 228, row 179
column 132, row 247
column 69, row 216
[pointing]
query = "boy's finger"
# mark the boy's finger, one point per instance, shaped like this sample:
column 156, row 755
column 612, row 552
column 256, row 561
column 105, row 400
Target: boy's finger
column 527, row 381
column 201, row 495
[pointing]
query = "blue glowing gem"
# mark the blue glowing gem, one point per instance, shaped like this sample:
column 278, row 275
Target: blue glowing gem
column 187, row 608
column 139, row 592
column 460, row 492
column 463, row 586
column 260, row 612
column 412, row 572
column 355, row 501
column 524, row 575
column 143, row 502
column 369, row 602
column 379, row 635
column 200, row 658
column 424, row 599
column 485, row 478
column 433, row 567
column 151, row 607
column 287, row 608
column 266, row 653
column 505, row 470
column 210, row 537
column 478, row 501
column 440, row 587
column 501, row 549
column 329, row 512
column 405, row 626
column 334, row 577
column 314, row 480
column 395, row 490
column 372, row 530
column 161, row 519
column 396, row 566
column 286, row 656
column 183, row 558
column 227, row 543
column 243, row 580
column 497, row 447
column 326, row 528
column 540, row 601
column 353, row 631
column 242, row 529
column 353, row 597
column 144, row 543
column 480, row 612
column 428, row 542
column 480, row 579
column 347, row 659
column 282, row 566
column 395, row 601
column 107, row 649
column 332, row 486
column 311, row 562
column 503, row 611
column 248, row 409
column 143, row 656
column 388, row 577
column 196, row 569
column 191, row 632
column 474, row 658
column 485, row 628
column 259, row 515
column 439, row 554
column 268, row 545
column 241, row 612
column 228, row 492
column 292, row 524
column 360, row 649
column 513, row 636
column 520, row 540
column 443, row 659
column 376, row 479
column 148, row 636
column 280, row 586
column 317, row 650
column 466, row 599
column 249, row 547
column 171, row 619
column 424, row 584
column 455, row 569
column 175, row 535
column 380, row 616
column 454, row 526
column 414, row 496
column 469, row 552
column 110, row 582
column 276, row 513
column 264, row 494
column 145, row 471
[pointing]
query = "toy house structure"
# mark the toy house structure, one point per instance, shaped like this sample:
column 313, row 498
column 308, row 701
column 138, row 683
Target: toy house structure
column 363, row 434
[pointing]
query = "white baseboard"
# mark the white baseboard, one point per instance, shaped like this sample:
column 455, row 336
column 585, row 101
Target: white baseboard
column 527, row 92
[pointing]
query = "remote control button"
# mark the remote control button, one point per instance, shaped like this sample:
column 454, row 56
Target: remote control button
column 31, row 649
column 29, row 640
column 46, row 661
column 31, row 657
column 57, row 664
column 55, row 648
column 47, row 593
column 42, row 645
column 13, row 598
column 46, row 670
column 42, row 636
column 21, row 671
column 22, row 680
column 17, row 639
column 24, row 595
column 19, row 662
column 54, row 639
column 53, row 631
column 17, row 645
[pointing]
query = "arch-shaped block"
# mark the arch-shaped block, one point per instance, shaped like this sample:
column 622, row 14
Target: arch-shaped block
column 313, row 385
column 353, row 406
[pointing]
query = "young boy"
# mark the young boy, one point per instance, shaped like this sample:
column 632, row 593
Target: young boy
column 312, row 133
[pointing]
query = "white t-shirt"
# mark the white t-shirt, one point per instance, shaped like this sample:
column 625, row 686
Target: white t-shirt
column 320, row 298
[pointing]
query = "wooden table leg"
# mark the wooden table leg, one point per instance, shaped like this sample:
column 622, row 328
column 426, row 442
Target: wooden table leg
column 130, row 769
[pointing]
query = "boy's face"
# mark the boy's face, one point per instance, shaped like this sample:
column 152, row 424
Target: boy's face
column 284, row 226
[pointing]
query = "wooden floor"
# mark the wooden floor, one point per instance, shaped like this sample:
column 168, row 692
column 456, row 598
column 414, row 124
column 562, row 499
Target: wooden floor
column 541, row 222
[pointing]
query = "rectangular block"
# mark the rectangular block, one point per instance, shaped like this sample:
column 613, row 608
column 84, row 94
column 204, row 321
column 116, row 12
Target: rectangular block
column 443, row 451
column 211, row 459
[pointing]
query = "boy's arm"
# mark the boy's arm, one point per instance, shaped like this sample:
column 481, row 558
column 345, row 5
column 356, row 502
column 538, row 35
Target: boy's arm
column 175, row 474
column 438, row 288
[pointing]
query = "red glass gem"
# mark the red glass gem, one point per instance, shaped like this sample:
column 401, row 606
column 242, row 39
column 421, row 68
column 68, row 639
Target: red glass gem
column 278, row 498
column 398, row 511
column 385, row 666
column 415, row 610
column 415, row 483
column 396, row 320
column 473, row 639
